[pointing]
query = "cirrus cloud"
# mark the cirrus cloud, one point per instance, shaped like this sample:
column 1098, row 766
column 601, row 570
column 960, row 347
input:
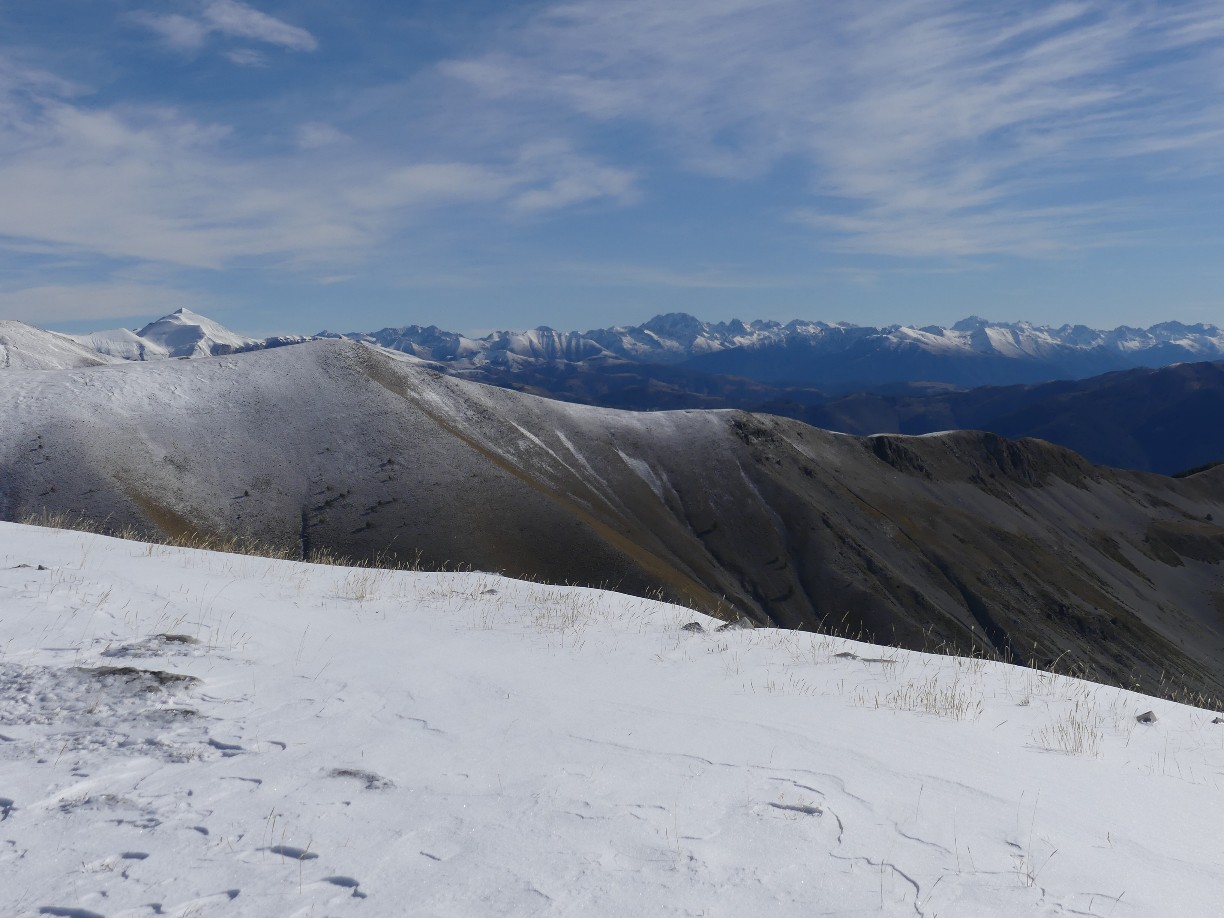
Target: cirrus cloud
column 931, row 127
column 232, row 19
column 152, row 184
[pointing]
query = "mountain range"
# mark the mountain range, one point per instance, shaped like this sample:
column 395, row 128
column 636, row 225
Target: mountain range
column 839, row 357
column 965, row 540
column 1161, row 419
column 833, row 358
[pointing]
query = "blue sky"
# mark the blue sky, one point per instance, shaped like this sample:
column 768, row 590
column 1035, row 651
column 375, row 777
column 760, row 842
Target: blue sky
column 352, row 164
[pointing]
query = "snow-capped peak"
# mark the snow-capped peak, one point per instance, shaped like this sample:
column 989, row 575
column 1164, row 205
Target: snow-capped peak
column 184, row 333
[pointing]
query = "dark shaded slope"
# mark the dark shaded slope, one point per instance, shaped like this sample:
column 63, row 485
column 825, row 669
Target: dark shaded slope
column 1163, row 420
column 968, row 538
column 633, row 386
column 865, row 361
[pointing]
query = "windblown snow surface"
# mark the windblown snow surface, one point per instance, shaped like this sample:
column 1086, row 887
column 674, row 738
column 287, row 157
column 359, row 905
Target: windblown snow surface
column 187, row 733
column 24, row 347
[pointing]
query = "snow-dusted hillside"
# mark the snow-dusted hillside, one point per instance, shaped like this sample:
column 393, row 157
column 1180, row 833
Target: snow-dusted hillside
column 334, row 445
column 123, row 343
column 184, row 733
column 24, row 347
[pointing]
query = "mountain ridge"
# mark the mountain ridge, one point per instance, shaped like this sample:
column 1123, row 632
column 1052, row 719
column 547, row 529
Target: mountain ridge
column 1020, row 548
column 973, row 351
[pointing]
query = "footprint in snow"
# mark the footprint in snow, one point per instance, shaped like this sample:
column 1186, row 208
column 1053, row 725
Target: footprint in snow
column 346, row 883
column 372, row 781
column 296, row 854
column 226, row 749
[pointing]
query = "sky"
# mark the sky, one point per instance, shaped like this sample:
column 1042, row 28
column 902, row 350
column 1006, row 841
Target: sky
column 355, row 164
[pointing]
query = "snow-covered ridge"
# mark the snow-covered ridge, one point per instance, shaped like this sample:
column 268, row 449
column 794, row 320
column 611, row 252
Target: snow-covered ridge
column 188, row 733
column 1070, row 351
column 24, row 347
column 676, row 338
column 182, row 333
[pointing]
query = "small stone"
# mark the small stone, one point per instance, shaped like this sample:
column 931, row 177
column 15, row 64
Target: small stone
column 737, row 625
column 1147, row 717
column 1218, row 720
column 694, row 627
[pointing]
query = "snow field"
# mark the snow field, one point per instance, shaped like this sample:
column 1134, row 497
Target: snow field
column 191, row 733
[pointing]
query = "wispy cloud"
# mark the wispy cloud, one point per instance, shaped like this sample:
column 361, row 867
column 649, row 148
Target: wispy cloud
column 247, row 57
column 179, row 32
column 233, row 20
column 316, row 134
column 930, row 127
column 241, row 21
column 155, row 185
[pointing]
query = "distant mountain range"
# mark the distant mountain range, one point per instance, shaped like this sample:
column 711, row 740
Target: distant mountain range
column 840, row 357
column 847, row 378
column 833, row 359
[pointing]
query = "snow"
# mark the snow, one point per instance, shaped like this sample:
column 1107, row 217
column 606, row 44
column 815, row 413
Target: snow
column 24, row 347
column 184, row 333
column 122, row 343
column 282, row 738
column 676, row 337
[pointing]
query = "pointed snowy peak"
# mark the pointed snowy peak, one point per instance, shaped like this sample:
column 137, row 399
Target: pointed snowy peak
column 184, row 333
column 971, row 324
column 677, row 326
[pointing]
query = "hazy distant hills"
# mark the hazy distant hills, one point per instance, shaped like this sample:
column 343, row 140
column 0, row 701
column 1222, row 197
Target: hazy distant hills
column 1165, row 420
column 968, row 538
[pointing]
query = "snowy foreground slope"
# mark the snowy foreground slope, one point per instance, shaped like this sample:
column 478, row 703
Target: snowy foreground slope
column 185, row 733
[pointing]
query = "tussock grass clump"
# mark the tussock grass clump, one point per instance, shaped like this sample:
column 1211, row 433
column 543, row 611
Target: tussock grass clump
column 955, row 700
column 1077, row 732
